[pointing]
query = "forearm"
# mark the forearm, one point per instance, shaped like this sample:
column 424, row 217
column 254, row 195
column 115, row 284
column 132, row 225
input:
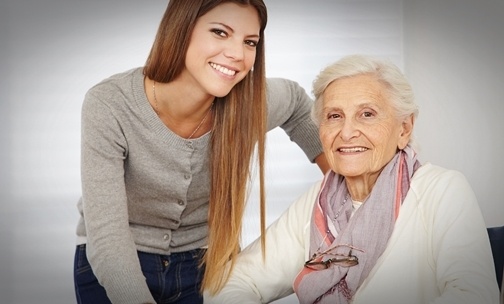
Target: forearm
column 461, row 247
column 322, row 163
column 112, row 254
column 254, row 280
column 289, row 108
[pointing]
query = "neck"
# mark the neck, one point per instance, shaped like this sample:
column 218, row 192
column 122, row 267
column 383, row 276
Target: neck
column 360, row 187
column 188, row 115
column 178, row 101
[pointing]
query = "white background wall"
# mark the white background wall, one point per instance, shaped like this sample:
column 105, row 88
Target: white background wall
column 453, row 54
column 52, row 51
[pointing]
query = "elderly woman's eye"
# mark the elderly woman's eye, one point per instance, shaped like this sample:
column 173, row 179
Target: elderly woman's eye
column 333, row 116
column 368, row 114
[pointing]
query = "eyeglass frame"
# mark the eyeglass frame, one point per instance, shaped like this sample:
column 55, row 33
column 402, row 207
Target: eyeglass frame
column 348, row 260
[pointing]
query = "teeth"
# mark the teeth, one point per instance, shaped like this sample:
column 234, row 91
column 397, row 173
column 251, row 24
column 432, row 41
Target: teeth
column 350, row 150
column 223, row 69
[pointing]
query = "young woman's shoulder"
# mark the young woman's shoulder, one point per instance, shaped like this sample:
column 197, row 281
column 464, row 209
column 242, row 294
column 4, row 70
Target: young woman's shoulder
column 116, row 91
column 116, row 81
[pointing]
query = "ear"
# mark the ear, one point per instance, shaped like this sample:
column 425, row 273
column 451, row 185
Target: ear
column 406, row 131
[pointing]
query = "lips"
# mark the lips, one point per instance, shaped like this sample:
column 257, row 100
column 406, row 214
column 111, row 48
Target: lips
column 352, row 149
column 222, row 69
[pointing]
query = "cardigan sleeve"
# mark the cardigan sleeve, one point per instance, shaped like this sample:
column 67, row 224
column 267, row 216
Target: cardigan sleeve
column 256, row 281
column 460, row 244
column 110, row 247
column 289, row 108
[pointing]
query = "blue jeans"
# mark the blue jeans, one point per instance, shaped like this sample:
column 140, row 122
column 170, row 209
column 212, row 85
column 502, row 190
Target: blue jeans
column 174, row 278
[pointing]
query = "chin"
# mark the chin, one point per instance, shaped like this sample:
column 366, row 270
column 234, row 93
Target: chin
column 350, row 173
column 218, row 95
column 220, row 92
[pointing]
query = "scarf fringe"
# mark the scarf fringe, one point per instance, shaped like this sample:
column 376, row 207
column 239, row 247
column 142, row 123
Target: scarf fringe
column 342, row 288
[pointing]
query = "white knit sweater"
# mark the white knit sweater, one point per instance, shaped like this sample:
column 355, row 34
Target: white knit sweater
column 439, row 251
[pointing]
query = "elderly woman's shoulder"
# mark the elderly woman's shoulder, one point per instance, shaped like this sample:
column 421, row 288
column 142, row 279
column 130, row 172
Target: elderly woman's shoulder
column 430, row 175
column 432, row 171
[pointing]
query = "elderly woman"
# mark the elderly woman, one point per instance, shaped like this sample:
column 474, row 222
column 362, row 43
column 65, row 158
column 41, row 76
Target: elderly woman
column 381, row 227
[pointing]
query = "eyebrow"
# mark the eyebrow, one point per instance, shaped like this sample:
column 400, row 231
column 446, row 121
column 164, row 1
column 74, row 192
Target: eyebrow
column 368, row 105
column 331, row 108
column 359, row 107
column 232, row 30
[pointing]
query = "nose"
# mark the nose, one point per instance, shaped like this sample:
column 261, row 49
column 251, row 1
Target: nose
column 235, row 50
column 349, row 130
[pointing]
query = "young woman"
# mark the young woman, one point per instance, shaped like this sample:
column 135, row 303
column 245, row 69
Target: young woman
column 166, row 155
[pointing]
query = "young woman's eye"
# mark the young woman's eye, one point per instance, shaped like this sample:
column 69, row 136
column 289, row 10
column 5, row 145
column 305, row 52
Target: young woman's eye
column 219, row 32
column 251, row 43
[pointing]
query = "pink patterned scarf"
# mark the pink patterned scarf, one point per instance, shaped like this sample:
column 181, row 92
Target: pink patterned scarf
column 368, row 230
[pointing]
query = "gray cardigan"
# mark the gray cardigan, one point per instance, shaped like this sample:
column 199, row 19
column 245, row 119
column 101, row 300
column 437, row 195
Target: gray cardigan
column 145, row 188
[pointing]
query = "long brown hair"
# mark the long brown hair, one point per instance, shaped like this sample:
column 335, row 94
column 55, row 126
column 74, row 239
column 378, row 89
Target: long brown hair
column 239, row 127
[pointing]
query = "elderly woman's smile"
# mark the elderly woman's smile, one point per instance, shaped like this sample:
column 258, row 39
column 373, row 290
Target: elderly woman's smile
column 352, row 149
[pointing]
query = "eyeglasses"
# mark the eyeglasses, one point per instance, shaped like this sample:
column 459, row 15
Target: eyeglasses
column 345, row 260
